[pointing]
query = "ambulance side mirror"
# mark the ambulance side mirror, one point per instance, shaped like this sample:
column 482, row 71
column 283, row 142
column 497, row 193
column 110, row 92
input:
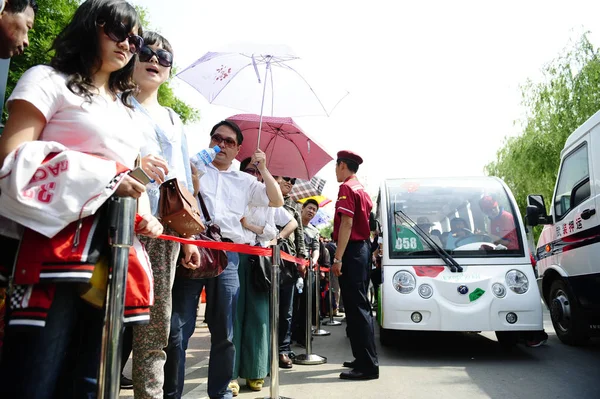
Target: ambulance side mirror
column 536, row 211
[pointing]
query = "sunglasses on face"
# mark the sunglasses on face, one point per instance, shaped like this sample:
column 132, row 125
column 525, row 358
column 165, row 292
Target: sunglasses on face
column 252, row 171
column 291, row 180
column 117, row 32
column 228, row 142
column 163, row 56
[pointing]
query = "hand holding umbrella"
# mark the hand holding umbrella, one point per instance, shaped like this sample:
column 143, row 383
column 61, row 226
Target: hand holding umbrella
column 259, row 159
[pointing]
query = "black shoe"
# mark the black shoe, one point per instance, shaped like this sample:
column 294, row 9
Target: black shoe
column 126, row 383
column 359, row 375
column 284, row 361
column 350, row 365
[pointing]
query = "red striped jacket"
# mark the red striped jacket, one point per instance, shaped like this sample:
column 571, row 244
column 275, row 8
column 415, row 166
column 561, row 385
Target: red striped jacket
column 70, row 257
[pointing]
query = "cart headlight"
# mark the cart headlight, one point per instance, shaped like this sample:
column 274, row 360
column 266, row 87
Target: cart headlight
column 425, row 291
column 499, row 290
column 517, row 281
column 404, row 282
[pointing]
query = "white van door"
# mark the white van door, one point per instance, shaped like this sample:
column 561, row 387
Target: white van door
column 574, row 212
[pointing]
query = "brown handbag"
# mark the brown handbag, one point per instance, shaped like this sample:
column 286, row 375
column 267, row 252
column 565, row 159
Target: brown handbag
column 177, row 209
column 212, row 261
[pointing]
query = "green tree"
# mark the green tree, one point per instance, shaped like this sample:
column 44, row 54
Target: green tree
column 566, row 97
column 326, row 231
column 51, row 18
column 167, row 98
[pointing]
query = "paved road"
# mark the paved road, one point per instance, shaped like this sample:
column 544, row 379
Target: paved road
column 429, row 365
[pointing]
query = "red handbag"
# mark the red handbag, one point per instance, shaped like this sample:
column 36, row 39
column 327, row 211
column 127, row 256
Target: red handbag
column 212, row 261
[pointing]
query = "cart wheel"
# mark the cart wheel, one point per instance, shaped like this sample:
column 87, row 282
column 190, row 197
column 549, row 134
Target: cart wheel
column 507, row 339
column 386, row 336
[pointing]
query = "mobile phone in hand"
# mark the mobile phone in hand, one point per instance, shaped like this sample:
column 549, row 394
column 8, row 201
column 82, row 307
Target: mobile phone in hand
column 141, row 176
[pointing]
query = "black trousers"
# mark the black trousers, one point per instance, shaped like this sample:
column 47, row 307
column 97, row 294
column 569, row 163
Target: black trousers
column 354, row 285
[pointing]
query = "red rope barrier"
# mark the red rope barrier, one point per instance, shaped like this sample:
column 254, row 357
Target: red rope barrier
column 228, row 246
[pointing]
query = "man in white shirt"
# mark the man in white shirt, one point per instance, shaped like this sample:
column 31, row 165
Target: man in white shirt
column 227, row 193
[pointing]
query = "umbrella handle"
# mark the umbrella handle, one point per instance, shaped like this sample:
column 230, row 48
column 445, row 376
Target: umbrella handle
column 262, row 104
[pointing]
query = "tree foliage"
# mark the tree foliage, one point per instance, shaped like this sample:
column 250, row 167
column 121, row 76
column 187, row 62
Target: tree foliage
column 326, row 230
column 567, row 96
column 51, row 18
column 167, row 98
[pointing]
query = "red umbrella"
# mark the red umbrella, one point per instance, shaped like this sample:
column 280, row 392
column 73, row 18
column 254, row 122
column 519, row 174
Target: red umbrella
column 290, row 152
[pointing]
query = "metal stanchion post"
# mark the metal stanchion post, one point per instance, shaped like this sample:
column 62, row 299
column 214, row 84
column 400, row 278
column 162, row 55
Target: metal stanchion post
column 309, row 358
column 274, row 316
column 122, row 217
column 331, row 321
column 318, row 331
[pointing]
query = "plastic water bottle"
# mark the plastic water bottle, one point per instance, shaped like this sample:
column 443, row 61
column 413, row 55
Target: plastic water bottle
column 205, row 156
column 300, row 285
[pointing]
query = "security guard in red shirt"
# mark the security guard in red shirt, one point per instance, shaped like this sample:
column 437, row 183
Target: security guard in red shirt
column 351, row 263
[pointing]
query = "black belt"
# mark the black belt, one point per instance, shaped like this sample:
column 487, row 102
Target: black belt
column 223, row 239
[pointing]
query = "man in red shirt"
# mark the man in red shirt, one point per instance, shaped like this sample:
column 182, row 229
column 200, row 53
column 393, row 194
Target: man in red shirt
column 351, row 264
column 502, row 226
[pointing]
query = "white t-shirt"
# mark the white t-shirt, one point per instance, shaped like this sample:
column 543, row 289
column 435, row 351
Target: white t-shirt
column 266, row 217
column 102, row 127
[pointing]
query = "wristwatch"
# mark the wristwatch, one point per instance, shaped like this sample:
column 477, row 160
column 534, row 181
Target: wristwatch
column 335, row 260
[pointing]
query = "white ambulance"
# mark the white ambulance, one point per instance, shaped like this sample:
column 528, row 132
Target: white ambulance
column 455, row 258
column 568, row 250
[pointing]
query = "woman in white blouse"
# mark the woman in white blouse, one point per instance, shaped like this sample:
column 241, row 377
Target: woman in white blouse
column 251, row 326
column 80, row 100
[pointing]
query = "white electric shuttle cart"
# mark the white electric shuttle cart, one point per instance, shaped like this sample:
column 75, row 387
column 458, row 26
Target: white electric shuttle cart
column 455, row 258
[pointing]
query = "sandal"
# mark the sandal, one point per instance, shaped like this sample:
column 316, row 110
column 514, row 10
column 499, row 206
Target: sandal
column 255, row 384
column 235, row 387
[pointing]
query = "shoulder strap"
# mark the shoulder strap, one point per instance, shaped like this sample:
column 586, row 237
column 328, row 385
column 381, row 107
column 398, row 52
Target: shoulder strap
column 204, row 210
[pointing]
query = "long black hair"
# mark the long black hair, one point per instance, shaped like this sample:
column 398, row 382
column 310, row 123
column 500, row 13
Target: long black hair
column 77, row 50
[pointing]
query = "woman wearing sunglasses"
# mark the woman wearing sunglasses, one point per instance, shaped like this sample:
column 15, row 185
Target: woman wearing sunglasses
column 165, row 155
column 80, row 101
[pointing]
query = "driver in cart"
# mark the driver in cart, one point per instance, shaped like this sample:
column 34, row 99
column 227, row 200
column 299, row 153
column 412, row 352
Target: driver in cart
column 502, row 228
column 458, row 230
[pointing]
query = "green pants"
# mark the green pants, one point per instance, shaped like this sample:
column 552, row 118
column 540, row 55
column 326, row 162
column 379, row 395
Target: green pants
column 251, row 328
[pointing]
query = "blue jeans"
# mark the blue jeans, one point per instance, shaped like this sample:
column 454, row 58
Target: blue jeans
column 59, row 360
column 286, row 308
column 221, row 300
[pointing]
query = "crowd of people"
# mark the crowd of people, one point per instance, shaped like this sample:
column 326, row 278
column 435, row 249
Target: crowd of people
column 90, row 117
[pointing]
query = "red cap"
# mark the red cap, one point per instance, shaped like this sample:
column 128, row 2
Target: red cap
column 487, row 202
column 349, row 156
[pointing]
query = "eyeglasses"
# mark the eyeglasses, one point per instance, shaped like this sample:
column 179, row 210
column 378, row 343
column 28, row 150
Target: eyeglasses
column 118, row 32
column 252, row 171
column 291, row 180
column 163, row 56
column 218, row 139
